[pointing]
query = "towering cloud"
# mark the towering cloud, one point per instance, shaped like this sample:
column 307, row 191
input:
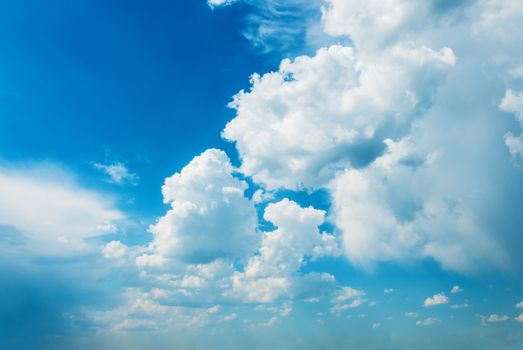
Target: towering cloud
column 210, row 218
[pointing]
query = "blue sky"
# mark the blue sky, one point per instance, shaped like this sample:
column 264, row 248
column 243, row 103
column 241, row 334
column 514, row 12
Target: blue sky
column 261, row 174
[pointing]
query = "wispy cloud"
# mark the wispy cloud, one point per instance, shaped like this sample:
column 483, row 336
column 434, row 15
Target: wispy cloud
column 118, row 173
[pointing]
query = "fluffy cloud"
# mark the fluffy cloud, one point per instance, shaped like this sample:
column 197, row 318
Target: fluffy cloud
column 283, row 252
column 114, row 250
column 513, row 103
column 316, row 115
column 497, row 318
column 389, row 212
column 210, row 218
column 519, row 318
column 437, row 299
column 371, row 22
column 520, row 305
column 50, row 212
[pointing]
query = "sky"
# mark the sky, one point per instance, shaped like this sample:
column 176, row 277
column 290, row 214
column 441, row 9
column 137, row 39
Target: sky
column 263, row 174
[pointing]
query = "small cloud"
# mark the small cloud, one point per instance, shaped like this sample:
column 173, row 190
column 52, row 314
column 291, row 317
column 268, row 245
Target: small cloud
column 346, row 294
column 460, row 306
column 261, row 196
column 376, row 325
column 497, row 318
column 114, row 250
column 456, row 289
column 118, row 173
column 519, row 318
column 520, row 305
column 214, row 309
column 230, row 317
column 216, row 3
column 388, row 290
column 411, row 314
column 312, row 300
column 429, row 321
column 437, row 299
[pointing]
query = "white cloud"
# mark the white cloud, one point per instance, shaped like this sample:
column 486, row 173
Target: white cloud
column 270, row 274
column 519, row 318
column 499, row 21
column 390, row 211
column 114, row 250
column 411, row 314
column 348, row 298
column 216, row 3
column 372, row 22
column 429, row 321
column 52, row 213
column 497, row 318
column 388, row 290
column 376, row 325
column 437, row 299
column 210, row 218
column 118, row 173
column 520, row 305
column 338, row 102
column 456, row 290
column 261, row 196
column 513, row 103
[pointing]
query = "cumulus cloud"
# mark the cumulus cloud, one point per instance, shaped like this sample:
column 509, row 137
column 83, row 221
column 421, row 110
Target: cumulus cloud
column 118, row 173
column 339, row 103
column 50, row 212
column 497, row 318
column 210, row 218
column 389, row 212
column 437, row 299
column 519, row 318
column 378, row 113
column 114, row 250
column 371, row 22
column 283, row 252
column 520, row 305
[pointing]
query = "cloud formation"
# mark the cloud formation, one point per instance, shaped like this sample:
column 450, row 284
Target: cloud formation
column 317, row 115
column 118, row 173
column 49, row 212
column 210, row 218
column 497, row 318
column 437, row 299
